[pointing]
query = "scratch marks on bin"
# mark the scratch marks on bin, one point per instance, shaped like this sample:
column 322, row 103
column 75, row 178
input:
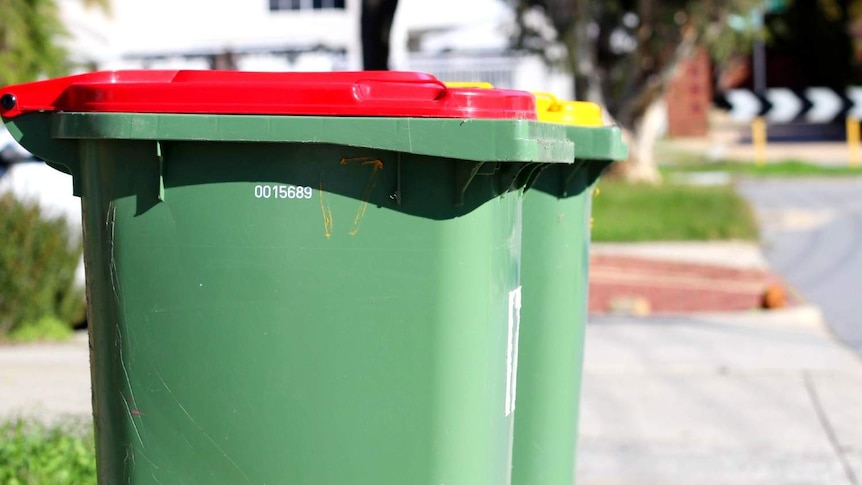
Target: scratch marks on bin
column 376, row 165
column 133, row 412
column 110, row 224
column 130, row 402
column 201, row 429
column 130, row 463
column 327, row 213
column 129, row 459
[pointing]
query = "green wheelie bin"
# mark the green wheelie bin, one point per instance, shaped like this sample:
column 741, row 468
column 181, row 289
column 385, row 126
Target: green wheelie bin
column 554, row 275
column 296, row 277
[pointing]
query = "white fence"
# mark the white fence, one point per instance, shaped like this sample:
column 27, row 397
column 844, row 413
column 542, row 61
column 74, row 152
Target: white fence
column 503, row 71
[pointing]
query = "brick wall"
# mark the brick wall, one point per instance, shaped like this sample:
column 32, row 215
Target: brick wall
column 689, row 97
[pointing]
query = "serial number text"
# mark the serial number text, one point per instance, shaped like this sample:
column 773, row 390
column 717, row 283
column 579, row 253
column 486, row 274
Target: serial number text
column 282, row 192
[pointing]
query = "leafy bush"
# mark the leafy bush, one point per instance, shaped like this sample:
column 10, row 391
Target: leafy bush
column 32, row 453
column 39, row 255
column 46, row 328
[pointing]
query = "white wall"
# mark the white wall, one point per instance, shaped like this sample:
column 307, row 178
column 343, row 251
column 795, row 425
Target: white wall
column 466, row 16
column 177, row 26
column 136, row 27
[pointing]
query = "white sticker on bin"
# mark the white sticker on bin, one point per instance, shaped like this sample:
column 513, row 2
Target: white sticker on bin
column 512, row 349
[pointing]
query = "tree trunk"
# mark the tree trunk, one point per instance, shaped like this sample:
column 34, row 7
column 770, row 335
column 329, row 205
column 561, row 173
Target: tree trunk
column 582, row 55
column 641, row 165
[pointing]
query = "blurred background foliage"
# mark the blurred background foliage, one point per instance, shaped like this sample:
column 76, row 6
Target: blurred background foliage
column 39, row 254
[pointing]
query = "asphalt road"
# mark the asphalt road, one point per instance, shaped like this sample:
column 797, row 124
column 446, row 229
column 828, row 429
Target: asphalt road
column 812, row 236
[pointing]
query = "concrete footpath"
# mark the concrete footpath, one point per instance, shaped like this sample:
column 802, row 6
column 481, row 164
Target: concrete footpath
column 46, row 381
column 745, row 397
column 730, row 397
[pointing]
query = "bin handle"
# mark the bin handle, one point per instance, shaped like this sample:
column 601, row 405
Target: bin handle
column 374, row 90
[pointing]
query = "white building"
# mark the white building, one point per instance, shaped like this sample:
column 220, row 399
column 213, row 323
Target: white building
column 259, row 35
column 464, row 40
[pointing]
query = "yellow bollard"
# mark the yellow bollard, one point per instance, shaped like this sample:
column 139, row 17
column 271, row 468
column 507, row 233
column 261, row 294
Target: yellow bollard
column 853, row 141
column 758, row 139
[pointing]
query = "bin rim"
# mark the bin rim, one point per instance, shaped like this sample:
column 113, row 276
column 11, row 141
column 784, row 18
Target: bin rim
column 338, row 93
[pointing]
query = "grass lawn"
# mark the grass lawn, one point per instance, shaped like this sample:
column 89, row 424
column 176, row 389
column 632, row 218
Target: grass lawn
column 669, row 212
column 788, row 168
column 679, row 212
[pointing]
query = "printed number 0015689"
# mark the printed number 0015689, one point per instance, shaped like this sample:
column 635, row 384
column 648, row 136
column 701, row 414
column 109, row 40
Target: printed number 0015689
column 282, row 192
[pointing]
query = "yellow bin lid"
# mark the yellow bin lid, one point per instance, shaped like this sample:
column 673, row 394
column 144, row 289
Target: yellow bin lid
column 550, row 109
column 577, row 113
column 478, row 85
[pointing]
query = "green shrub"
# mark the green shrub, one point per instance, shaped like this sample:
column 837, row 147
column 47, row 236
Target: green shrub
column 32, row 453
column 39, row 255
column 47, row 328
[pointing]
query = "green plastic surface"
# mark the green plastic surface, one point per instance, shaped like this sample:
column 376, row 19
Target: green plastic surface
column 554, row 275
column 300, row 300
column 597, row 146
column 477, row 140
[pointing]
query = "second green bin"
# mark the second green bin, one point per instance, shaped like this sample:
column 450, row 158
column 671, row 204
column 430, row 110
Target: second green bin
column 554, row 275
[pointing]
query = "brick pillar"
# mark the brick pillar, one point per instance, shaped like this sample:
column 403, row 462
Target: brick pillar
column 689, row 97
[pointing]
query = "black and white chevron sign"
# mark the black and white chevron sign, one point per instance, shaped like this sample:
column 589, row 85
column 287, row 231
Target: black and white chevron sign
column 782, row 105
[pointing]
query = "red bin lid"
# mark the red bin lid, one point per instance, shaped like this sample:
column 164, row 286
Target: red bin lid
column 359, row 93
